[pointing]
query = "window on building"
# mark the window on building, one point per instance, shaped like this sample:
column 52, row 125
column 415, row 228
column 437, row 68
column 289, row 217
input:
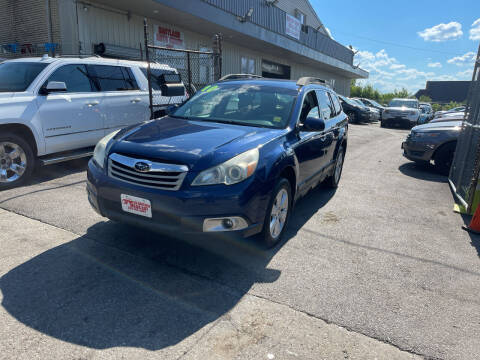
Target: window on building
column 74, row 76
column 301, row 16
column 248, row 65
column 113, row 78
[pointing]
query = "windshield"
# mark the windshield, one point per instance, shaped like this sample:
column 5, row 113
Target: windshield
column 375, row 103
column 403, row 103
column 359, row 102
column 17, row 76
column 241, row 104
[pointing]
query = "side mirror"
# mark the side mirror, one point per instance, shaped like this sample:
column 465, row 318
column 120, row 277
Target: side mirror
column 54, row 86
column 170, row 90
column 313, row 124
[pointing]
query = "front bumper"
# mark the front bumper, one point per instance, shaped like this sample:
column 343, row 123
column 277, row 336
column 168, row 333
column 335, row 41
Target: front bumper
column 418, row 151
column 182, row 211
column 399, row 121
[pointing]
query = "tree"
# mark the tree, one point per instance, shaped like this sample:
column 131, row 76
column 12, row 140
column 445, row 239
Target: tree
column 425, row 99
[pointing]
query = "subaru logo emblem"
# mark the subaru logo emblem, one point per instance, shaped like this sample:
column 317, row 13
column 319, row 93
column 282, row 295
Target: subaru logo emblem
column 142, row 166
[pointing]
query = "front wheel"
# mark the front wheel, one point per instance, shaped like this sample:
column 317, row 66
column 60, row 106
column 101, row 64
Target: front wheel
column 443, row 158
column 352, row 117
column 16, row 161
column 278, row 213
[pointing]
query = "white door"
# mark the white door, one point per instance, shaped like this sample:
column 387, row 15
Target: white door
column 72, row 119
column 124, row 103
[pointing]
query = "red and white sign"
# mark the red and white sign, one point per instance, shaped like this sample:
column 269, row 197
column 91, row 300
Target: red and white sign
column 293, row 27
column 168, row 37
column 135, row 205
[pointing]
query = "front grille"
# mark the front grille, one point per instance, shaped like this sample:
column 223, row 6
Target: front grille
column 160, row 176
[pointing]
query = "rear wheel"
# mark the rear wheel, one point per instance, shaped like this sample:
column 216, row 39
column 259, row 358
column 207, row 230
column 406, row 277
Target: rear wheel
column 278, row 214
column 17, row 161
column 333, row 180
column 443, row 158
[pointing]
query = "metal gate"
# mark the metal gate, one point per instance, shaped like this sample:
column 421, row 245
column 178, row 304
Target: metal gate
column 196, row 68
column 466, row 163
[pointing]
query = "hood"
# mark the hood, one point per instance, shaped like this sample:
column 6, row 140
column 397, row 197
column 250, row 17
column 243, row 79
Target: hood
column 197, row 144
column 446, row 125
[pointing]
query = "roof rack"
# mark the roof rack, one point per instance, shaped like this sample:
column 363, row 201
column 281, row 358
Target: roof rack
column 239, row 76
column 311, row 80
column 79, row 56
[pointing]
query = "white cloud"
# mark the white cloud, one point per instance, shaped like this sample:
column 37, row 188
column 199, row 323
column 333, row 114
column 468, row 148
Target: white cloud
column 397, row 66
column 465, row 75
column 466, row 59
column 388, row 74
column 442, row 32
column 475, row 30
column 329, row 32
column 434, row 65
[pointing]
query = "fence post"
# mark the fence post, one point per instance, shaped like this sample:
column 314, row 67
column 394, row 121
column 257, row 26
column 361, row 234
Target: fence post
column 149, row 74
column 217, row 56
column 189, row 71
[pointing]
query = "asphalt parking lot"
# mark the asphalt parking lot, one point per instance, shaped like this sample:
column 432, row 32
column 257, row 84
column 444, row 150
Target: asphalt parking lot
column 378, row 269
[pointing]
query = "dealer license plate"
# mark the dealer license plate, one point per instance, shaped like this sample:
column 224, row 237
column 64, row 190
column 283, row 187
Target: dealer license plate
column 136, row 205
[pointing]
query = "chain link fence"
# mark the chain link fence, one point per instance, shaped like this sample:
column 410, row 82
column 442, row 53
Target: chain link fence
column 466, row 163
column 196, row 69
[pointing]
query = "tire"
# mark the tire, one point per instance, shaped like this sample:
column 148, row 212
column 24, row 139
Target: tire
column 443, row 158
column 333, row 180
column 17, row 168
column 271, row 234
column 352, row 117
column 382, row 124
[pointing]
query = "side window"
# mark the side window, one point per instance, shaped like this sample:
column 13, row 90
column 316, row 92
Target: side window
column 110, row 78
column 336, row 104
column 130, row 79
column 326, row 107
column 309, row 107
column 74, row 76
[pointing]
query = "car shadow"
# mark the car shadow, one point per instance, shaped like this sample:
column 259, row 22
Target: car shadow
column 425, row 172
column 474, row 238
column 122, row 286
column 57, row 171
column 306, row 208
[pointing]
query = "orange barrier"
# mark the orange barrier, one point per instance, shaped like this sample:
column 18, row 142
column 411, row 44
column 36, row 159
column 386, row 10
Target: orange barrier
column 474, row 226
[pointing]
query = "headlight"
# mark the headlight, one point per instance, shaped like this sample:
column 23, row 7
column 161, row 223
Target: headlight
column 231, row 172
column 413, row 112
column 425, row 134
column 99, row 152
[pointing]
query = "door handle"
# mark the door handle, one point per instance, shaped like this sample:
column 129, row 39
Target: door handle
column 93, row 103
column 134, row 101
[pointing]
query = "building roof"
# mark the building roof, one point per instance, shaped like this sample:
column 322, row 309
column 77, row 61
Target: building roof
column 445, row 91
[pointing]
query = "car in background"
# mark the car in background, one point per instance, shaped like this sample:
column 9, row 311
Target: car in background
column 449, row 117
column 426, row 113
column 355, row 112
column 401, row 113
column 233, row 159
column 57, row 109
column 372, row 104
column 375, row 114
column 456, row 109
column 435, row 141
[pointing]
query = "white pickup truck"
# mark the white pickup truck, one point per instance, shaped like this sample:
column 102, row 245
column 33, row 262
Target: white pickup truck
column 57, row 109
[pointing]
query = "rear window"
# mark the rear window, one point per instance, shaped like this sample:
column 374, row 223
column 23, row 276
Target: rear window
column 17, row 76
column 156, row 76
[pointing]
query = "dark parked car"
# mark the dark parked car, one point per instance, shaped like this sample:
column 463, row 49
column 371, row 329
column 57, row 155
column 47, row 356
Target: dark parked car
column 373, row 104
column 234, row 158
column 433, row 141
column 355, row 112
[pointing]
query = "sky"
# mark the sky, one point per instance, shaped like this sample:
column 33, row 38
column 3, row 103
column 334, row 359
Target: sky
column 404, row 44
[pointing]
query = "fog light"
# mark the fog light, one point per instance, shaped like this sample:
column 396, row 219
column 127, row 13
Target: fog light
column 231, row 223
column 227, row 223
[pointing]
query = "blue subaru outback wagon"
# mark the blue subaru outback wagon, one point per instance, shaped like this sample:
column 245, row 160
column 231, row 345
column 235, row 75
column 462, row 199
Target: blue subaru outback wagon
column 234, row 158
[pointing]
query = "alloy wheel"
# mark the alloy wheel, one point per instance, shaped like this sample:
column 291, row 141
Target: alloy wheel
column 278, row 215
column 338, row 167
column 13, row 162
